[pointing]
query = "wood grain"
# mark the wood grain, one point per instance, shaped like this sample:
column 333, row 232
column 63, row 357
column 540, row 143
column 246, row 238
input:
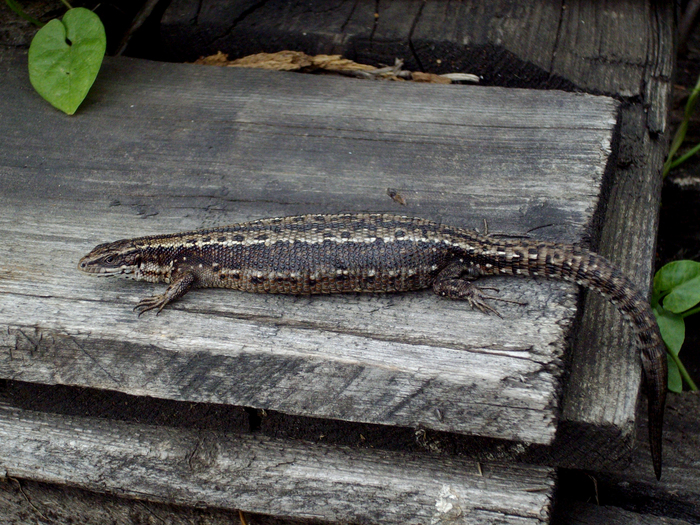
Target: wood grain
column 269, row 476
column 579, row 513
column 575, row 45
column 24, row 500
column 165, row 147
column 565, row 45
column 678, row 492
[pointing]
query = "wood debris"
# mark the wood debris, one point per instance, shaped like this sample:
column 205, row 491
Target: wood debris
column 298, row 61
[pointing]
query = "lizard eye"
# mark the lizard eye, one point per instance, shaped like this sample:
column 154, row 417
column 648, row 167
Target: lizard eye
column 110, row 259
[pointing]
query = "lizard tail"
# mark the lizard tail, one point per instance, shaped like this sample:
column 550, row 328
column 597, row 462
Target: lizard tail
column 590, row 270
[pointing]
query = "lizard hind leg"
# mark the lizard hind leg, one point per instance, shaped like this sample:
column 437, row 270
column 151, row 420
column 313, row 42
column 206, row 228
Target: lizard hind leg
column 456, row 281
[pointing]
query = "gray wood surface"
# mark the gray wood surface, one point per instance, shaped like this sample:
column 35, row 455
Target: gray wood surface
column 580, row 513
column 595, row 397
column 165, row 147
column 268, row 476
column 581, row 45
column 572, row 45
column 678, row 492
column 635, row 488
column 676, row 495
column 24, row 501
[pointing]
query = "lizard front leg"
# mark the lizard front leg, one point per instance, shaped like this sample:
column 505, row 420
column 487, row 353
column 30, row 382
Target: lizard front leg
column 179, row 287
column 455, row 281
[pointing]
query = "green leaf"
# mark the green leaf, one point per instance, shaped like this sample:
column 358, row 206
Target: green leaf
column 675, row 384
column 65, row 57
column 675, row 273
column 672, row 275
column 683, row 296
column 672, row 329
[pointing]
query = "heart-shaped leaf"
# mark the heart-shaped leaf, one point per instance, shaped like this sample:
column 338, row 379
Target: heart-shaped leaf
column 65, row 57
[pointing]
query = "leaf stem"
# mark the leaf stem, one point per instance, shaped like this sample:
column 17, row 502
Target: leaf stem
column 684, row 373
column 679, row 136
column 680, row 160
column 19, row 11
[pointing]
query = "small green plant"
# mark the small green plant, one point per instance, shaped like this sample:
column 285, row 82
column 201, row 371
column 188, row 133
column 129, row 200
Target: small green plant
column 65, row 56
column 679, row 137
column 676, row 291
column 675, row 296
column 19, row 11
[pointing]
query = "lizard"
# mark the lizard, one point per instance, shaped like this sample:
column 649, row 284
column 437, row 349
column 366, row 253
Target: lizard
column 374, row 252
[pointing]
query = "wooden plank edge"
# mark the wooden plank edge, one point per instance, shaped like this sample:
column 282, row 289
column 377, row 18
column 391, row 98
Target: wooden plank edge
column 579, row 513
column 599, row 408
column 269, row 476
column 677, row 494
column 25, row 501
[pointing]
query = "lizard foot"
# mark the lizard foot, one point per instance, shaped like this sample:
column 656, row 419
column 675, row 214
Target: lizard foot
column 151, row 303
column 466, row 291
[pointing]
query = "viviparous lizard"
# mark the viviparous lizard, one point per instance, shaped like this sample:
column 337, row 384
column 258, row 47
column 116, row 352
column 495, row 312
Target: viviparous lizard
column 365, row 252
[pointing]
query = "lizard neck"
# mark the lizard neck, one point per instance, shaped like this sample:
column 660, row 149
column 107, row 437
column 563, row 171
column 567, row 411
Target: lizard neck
column 153, row 271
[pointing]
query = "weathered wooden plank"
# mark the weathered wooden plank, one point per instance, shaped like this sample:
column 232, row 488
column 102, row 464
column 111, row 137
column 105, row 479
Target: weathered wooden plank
column 319, row 140
column 164, row 147
column 605, row 358
column 294, row 366
column 578, row 513
column 633, row 206
column 530, row 44
column 674, row 499
column 26, row 501
column 269, row 476
column 580, row 45
column 677, row 494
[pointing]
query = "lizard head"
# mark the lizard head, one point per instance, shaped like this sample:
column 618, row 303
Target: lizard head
column 112, row 258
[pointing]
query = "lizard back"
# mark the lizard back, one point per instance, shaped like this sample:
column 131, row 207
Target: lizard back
column 306, row 254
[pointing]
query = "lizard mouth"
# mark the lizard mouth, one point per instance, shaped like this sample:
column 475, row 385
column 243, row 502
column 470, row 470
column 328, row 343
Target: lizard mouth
column 101, row 271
